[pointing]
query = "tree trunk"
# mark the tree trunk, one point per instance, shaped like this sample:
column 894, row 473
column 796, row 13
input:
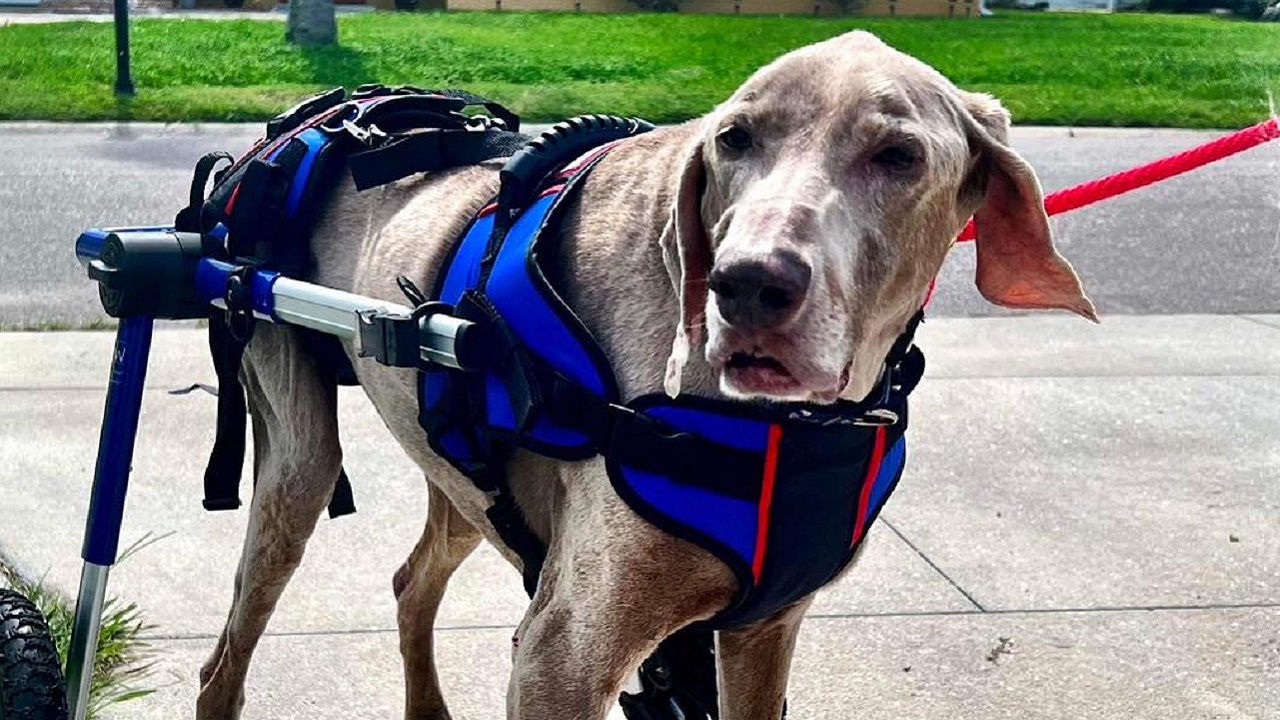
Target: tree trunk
column 312, row 22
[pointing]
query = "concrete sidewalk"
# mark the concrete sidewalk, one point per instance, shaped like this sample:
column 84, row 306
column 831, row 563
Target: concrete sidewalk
column 1089, row 529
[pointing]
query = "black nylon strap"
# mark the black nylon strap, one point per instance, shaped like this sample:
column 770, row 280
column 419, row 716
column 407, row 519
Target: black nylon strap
column 222, row 474
column 510, row 119
column 900, row 346
column 430, row 150
column 633, row 439
column 188, row 219
column 509, row 522
column 640, row 442
column 327, row 353
column 259, row 202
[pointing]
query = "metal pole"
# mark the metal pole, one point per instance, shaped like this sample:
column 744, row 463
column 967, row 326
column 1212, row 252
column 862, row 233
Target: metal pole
column 124, row 76
column 106, row 506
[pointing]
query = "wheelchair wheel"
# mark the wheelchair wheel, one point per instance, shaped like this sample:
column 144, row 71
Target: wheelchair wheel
column 31, row 684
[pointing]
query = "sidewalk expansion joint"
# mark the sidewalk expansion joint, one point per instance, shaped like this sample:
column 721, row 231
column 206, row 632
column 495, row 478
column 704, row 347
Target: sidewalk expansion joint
column 908, row 614
column 54, row 388
column 967, row 595
column 1259, row 321
column 1109, row 376
column 1097, row 610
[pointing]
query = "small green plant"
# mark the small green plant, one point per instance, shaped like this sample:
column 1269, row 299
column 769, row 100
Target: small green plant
column 123, row 662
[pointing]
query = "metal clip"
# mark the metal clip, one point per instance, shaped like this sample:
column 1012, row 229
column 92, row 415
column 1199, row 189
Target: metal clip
column 373, row 136
column 482, row 123
column 877, row 417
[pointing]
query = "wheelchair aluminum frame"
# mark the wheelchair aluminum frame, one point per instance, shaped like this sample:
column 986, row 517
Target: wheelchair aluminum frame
column 154, row 273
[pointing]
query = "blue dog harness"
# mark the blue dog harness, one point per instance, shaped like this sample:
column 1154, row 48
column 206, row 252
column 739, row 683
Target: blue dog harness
column 781, row 493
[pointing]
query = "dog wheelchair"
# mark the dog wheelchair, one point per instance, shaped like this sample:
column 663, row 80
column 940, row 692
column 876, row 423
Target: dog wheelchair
column 183, row 271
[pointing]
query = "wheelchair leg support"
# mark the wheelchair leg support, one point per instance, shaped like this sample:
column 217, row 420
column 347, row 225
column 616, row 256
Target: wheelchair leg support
column 106, row 508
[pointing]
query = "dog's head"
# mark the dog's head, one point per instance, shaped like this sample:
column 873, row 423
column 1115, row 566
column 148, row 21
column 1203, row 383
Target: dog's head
column 818, row 204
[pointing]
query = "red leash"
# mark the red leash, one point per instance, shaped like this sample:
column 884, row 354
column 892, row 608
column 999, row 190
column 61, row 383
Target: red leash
column 1154, row 172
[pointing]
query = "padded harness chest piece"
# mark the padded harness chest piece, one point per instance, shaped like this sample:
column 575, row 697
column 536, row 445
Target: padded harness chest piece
column 783, row 494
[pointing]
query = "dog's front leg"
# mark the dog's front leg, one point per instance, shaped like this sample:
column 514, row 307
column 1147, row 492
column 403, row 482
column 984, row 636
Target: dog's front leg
column 613, row 587
column 754, row 664
column 574, row 651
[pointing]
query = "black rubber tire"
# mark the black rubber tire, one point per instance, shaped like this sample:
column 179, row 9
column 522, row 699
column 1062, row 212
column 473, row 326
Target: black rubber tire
column 31, row 684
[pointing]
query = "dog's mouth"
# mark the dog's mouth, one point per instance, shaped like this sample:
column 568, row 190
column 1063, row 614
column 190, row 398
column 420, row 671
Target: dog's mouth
column 750, row 373
column 773, row 371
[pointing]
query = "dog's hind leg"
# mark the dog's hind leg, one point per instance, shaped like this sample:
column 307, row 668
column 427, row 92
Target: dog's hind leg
column 754, row 664
column 297, row 460
column 419, row 586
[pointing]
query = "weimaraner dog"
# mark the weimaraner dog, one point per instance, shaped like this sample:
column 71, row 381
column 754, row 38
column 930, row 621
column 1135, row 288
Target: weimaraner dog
column 845, row 169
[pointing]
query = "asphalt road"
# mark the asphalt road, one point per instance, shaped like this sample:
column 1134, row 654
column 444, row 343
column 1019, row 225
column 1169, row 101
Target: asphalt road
column 1205, row 243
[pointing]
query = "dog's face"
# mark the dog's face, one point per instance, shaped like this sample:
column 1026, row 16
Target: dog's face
column 820, row 202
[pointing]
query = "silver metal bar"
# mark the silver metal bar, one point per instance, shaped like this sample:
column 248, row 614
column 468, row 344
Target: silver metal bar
column 330, row 311
column 84, row 637
column 438, row 340
column 335, row 312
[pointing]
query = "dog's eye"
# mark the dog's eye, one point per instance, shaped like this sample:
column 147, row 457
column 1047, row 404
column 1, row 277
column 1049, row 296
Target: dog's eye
column 734, row 138
column 896, row 158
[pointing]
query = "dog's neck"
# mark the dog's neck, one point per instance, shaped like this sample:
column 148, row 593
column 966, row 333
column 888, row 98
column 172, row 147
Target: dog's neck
column 610, row 262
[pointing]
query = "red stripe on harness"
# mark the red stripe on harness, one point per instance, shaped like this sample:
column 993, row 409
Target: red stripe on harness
column 492, row 207
column 869, row 484
column 231, row 204
column 766, row 501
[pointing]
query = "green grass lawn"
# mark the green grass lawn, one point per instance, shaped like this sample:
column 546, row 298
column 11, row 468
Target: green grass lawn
column 1144, row 70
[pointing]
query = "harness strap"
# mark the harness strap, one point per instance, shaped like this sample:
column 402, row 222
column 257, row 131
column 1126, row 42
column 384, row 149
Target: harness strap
column 638, row 440
column 188, row 219
column 902, row 345
column 509, row 522
column 326, row 352
column 428, row 150
column 222, row 473
column 510, row 119
column 261, row 199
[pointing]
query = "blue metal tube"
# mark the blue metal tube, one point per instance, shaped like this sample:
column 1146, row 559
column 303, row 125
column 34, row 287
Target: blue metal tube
column 106, row 505
column 115, row 444
column 213, row 277
column 89, row 244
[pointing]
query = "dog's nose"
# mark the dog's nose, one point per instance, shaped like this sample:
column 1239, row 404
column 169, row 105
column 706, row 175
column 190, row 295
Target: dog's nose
column 760, row 292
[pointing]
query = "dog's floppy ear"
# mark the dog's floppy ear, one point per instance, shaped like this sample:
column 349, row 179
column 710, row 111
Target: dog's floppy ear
column 686, row 252
column 1018, row 266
